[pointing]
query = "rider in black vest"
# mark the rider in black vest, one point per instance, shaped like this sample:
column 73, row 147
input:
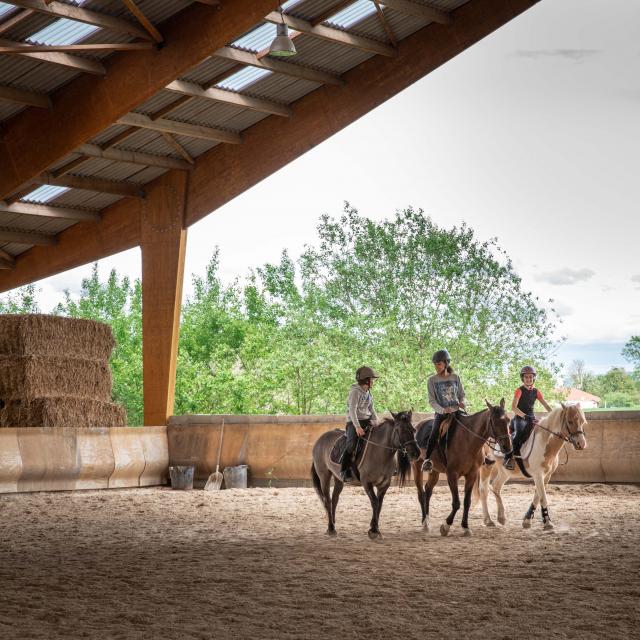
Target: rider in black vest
column 524, row 400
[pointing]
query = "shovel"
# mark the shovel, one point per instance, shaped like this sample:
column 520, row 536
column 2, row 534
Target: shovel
column 215, row 479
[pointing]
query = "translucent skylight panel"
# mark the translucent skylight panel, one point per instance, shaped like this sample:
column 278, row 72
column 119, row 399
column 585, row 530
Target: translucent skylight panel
column 62, row 32
column 243, row 78
column 45, row 193
column 352, row 14
column 6, row 8
column 257, row 39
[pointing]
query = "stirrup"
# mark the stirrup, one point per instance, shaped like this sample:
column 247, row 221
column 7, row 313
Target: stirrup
column 427, row 465
column 509, row 463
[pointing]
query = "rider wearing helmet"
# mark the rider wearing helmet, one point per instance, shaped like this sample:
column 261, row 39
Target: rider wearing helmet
column 360, row 415
column 446, row 395
column 524, row 399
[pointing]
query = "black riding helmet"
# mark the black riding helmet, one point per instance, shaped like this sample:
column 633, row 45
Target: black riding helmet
column 527, row 369
column 441, row 356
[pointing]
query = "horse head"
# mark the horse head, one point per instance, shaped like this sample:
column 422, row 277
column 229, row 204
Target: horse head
column 499, row 425
column 574, row 421
column 404, row 434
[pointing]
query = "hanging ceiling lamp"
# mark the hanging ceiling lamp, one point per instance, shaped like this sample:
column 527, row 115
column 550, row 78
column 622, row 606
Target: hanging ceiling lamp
column 282, row 45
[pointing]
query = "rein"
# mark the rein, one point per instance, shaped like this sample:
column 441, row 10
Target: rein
column 491, row 435
column 368, row 441
column 565, row 423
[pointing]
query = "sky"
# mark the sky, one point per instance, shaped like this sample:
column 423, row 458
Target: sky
column 531, row 136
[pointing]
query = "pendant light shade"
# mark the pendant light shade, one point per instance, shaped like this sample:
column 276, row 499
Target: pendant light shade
column 282, row 45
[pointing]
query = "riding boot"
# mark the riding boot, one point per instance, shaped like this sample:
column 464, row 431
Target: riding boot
column 346, row 474
column 509, row 462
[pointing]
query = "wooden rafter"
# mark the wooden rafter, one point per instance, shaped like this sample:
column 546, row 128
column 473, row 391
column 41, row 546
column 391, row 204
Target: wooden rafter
column 15, row 19
column 385, row 25
column 99, row 185
column 333, row 35
column 278, row 66
column 22, row 48
column 178, row 147
column 132, row 157
column 28, row 98
column 72, row 12
column 180, row 128
column 418, row 11
column 64, row 59
column 47, row 211
column 229, row 97
column 26, row 237
column 143, row 20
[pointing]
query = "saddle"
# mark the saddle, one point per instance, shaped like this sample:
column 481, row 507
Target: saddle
column 341, row 444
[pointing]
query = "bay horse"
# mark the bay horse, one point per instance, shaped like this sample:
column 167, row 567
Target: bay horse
column 391, row 438
column 463, row 457
column 541, row 453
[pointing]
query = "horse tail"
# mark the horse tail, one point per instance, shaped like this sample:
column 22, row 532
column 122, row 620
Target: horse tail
column 315, row 478
column 404, row 467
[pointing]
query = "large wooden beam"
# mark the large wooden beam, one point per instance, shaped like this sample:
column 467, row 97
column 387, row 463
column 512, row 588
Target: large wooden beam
column 102, row 20
column 20, row 48
column 278, row 66
column 48, row 211
column 163, row 243
column 132, row 157
column 229, row 97
column 26, row 237
column 332, row 35
column 64, row 59
column 35, row 139
column 180, row 128
column 224, row 172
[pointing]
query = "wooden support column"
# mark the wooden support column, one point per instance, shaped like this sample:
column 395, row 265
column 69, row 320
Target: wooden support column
column 163, row 243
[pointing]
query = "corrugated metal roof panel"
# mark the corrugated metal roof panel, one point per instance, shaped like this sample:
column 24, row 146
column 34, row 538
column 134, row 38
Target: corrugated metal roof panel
column 91, row 167
column 108, row 133
column 86, row 199
column 15, row 249
column 147, row 175
column 208, row 70
column 256, row 39
column 352, row 14
column 157, row 102
column 283, row 89
column 8, row 110
column 328, row 56
column 196, row 147
column 8, row 220
column 245, row 119
column 205, row 112
column 44, row 193
column 68, row 158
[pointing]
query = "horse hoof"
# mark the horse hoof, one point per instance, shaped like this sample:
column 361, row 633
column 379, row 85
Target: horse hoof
column 332, row 532
column 526, row 524
column 489, row 523
column 502, row 520
column 425, row 524
column 444, row 529
column 467, row 533
column 374, row 535
column 548, row 526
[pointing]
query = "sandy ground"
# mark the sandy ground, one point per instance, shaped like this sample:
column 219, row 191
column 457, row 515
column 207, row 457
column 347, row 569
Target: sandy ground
column 157, row 563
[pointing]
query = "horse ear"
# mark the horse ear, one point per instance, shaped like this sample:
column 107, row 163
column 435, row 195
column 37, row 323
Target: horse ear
column 488, row 404
column 502, row 403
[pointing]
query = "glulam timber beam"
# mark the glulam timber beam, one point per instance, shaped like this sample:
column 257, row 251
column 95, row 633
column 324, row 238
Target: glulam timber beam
column 27, row 98
column 226, row 171
column 15, row 19
column 63, row 59
column 332, row 35
column 48, row 211
column 35, row 139
column 94, row 18
column 21, row 48
column 180, row 128
column 229, row 97
column 132, row 157
column 278, row 66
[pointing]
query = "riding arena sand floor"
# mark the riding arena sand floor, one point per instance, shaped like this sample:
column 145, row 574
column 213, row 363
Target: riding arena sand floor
column 256, row 564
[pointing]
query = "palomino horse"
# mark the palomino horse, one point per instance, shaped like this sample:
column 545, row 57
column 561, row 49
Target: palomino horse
column 542, row 449
column 463, row 457
column 375, row 467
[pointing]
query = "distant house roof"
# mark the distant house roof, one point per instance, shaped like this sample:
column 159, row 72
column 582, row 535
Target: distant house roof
column 576, row 395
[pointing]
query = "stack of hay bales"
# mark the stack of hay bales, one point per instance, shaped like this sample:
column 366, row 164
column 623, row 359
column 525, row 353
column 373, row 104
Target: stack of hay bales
column 54, row 372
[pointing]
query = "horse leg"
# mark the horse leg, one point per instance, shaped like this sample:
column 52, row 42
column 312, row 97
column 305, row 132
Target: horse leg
column 382, row 489
column 485, row 477
column 417, row 478
column 373, row 527
column 538, row 478
column 528, row 516
column 326, row 501
column 338, row 486
column 452, row 479
column 432, row 481
column 496, row 487
column 469, row 484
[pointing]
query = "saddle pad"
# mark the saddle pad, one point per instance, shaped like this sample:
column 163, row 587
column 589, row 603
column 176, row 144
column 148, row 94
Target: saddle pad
column 525, row 448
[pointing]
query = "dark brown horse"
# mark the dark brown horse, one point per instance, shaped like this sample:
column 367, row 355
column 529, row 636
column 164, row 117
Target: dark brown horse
column 376, row 465
column 462, row 456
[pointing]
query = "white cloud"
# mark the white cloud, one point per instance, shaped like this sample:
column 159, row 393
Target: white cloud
column 568, row 54
column 562, row 309
column 565, row 276
column 636, row 278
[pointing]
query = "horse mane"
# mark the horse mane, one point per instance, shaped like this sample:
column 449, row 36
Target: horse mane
column 553, row 418
column 404, row 467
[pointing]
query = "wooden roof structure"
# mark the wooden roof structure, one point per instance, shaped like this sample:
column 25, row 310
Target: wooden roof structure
column 123, row 122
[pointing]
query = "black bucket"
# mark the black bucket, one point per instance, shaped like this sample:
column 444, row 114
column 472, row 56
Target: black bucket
column 181, row 477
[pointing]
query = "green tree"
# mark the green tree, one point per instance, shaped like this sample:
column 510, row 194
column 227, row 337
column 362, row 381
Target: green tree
column 631, row 352
column 23, row 300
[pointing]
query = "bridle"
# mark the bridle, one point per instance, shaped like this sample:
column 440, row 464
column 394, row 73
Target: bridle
column 572, row 436
column 395, row 434
column 492, row 432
